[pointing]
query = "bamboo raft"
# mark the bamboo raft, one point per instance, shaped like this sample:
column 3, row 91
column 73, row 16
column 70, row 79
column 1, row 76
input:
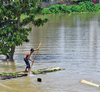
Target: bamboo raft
column 46, row 70
column 5, row 76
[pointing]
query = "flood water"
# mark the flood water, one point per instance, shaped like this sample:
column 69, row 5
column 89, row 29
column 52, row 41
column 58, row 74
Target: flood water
column 70, row 41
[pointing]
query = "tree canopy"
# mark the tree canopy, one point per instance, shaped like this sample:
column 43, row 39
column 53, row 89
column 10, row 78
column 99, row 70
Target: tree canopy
column 12, row 31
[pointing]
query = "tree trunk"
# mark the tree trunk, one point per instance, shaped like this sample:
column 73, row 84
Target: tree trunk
column 11, row 54
column 18, row 21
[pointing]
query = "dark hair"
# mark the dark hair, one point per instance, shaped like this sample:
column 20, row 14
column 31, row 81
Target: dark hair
column 39, row 79
column 32, row 49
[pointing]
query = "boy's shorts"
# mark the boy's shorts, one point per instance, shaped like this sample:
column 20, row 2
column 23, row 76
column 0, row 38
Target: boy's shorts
column 27, row 63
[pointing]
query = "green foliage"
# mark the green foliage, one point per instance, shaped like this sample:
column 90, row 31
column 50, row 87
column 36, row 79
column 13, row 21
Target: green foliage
column 46, row 11
column 83, row 7
column 12, row 32
column 68, row 9
column 86, row 6
column 62, row 8
column 97, row 7
column 59, row 9
column 54, row 8
column 75, row 8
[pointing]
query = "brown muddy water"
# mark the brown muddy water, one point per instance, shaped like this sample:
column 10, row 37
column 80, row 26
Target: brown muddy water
column 68, row 41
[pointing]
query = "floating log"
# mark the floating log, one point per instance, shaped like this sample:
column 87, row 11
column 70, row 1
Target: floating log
column 89, row 83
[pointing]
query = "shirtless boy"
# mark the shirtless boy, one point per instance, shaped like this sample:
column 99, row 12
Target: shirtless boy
column 27, row 58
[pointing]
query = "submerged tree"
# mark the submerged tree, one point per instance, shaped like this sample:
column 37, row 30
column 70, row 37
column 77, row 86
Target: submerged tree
column 12, row 32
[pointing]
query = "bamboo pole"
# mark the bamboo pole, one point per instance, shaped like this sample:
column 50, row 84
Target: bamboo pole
column 35, row 56
column 36, row 52
column 52, row 68
column 89, row 83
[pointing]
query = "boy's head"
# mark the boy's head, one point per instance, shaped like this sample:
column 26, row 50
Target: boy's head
column 39, row 79
column 32, row 50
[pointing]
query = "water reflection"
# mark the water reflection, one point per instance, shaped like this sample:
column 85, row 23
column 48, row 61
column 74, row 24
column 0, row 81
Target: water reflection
column 94, row 37
column 71, row 36
column 7, row 65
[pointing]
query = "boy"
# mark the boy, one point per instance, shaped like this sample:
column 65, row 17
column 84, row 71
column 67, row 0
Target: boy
column 27, row 58
column 39, row 79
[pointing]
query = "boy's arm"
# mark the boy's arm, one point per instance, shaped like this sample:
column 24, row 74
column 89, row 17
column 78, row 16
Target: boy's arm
column 29, row 58
column 36, row 49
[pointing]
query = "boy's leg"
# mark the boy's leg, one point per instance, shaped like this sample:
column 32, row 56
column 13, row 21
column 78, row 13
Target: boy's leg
column 27, row 65
column 26, row 62
column 28, row 71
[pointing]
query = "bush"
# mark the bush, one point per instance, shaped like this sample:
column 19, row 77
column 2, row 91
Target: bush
column 54, row 8
column 75, row 8
column 62, row 8
column 68, row 9
column 90, row 6
column 59, row 9
column 87, row 6
column 82, row 7
column 97, row 7
column 46, row 11
column 81, row 3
